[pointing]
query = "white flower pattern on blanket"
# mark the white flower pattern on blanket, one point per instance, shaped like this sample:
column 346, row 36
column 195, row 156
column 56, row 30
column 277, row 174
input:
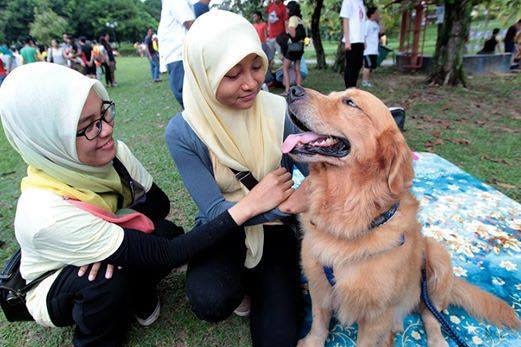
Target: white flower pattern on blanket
column 481, row 228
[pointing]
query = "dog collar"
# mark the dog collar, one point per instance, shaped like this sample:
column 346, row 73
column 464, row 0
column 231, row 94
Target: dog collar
column 384, row 217
column 378, row 221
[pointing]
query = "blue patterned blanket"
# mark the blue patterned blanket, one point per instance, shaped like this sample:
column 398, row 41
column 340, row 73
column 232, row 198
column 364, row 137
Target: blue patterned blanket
column 481, row 228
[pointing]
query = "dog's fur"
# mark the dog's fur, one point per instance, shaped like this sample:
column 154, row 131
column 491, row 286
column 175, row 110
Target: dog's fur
column 377, row 277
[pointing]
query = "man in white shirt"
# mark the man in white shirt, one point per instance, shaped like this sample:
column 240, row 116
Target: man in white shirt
column 353, row 23
column 372, row 38
column 176, row 18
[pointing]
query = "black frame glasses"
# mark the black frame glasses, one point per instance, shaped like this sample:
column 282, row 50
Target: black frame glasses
column 108, row 113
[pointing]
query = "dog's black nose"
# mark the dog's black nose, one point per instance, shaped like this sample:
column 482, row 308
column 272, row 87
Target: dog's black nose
column 295, row 93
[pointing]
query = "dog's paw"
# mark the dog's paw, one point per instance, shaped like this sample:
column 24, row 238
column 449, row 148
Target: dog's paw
column 311, row 341
column 397, row 327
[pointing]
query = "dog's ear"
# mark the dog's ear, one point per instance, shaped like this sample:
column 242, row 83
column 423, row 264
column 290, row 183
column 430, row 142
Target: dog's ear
column 396, row 160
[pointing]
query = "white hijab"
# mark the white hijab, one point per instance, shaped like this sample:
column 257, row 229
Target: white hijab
column 40, row 106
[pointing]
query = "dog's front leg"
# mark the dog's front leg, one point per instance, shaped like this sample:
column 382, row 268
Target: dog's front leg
column 377, row 331
column 321, row 295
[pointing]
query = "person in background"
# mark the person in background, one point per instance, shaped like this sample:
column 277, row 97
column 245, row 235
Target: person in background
column 510, row 35
column 99, row 57
column 371, row 37
column 3, row 70
column 201, row 7
column 56, row 54
column 291, row 44
column 510, row 46
column 7, row 57
column 176, row 19
column 353, row 17
column 260, row 26
column 152, row 55
column 277, row 17
column 42, row 52
column 110, row 61
column 262, row 30
column 517, row 55
column 103, row 59
column 85, row 54
column 68, row 49
column 28, row 52
column 18, row 59
column 490, row 45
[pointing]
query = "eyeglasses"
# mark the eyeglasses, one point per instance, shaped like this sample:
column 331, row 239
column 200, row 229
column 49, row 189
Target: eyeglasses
column 108, row 112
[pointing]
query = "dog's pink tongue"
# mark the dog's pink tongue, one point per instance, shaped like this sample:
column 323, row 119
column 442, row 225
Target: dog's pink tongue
column 292, row 140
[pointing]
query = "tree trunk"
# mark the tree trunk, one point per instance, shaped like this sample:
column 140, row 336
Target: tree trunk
column 340, row 56
column 447, row 67
column 315, row 34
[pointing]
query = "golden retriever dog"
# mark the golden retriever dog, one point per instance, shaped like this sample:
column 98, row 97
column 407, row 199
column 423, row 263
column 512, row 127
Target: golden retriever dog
column 360, row 167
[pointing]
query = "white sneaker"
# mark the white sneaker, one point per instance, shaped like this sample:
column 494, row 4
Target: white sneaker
column 367, row 84
column 146, row 321
column 243, row 310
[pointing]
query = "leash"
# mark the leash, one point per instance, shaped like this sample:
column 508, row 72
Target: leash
column 437, row 314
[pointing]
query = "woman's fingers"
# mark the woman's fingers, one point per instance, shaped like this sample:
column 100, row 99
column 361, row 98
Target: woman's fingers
column 109, row 271
column 285, row 177
column 279, row 171
column 94, row 271
column 82, row 270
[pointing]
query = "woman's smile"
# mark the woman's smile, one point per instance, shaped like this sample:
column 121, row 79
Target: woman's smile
column 107, row 146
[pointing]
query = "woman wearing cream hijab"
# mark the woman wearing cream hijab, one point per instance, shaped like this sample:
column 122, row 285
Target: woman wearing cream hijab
column 87, row 200
column 229, row 123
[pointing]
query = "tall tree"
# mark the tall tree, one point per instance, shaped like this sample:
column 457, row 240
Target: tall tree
column 450, row 43
column 454, row 32
column 15, row 19
column 153, row 7
column 316, row 35
column 47, row 25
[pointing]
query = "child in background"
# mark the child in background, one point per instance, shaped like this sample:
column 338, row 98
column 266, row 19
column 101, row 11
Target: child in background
column 490, row 45
column 372, row 31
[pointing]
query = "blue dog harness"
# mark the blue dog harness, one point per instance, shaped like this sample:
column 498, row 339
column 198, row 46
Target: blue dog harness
column 378, row 221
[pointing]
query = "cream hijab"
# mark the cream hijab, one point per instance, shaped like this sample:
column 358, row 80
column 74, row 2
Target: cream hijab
column 245, row 140
column 40, row 106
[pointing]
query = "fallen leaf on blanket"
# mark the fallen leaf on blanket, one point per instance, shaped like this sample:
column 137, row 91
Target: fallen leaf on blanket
column 460, row 141
column 495, row 160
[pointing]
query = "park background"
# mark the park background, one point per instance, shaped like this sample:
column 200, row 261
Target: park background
column 478, row 128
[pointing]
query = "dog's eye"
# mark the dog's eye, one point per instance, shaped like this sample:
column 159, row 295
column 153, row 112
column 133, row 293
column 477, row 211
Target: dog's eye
column 349, row 102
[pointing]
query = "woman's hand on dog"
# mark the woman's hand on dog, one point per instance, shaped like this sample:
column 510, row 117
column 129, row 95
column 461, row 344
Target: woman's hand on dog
column 298, row 202
column 272, row 190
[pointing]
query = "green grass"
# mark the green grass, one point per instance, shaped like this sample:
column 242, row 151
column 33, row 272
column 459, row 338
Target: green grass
column 487, row 115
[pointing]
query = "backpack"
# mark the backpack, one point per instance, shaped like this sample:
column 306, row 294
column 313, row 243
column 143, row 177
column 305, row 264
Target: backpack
column 300, row 33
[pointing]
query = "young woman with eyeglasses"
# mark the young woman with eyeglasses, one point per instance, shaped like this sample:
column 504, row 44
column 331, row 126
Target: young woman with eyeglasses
column 88, row 205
